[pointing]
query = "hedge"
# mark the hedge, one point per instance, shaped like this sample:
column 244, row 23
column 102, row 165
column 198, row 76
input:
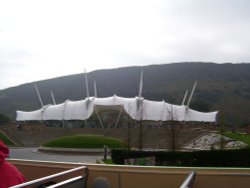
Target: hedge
column 85, row 141
column 213, row 158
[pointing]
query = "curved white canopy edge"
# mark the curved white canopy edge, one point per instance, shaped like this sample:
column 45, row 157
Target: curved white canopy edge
column 137, row 108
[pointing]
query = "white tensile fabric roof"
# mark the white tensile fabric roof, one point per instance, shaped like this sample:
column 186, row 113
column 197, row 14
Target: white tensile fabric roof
column 137, row 108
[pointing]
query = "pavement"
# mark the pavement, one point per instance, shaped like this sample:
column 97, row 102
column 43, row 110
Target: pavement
column 34, row 154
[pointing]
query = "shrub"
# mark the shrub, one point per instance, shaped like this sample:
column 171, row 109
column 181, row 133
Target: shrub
column 4, row 119
column 214, row 158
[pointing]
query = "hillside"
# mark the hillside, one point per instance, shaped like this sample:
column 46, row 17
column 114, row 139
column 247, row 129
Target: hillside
column 224, row 87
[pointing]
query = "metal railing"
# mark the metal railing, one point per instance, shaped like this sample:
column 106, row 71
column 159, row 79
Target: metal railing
column 78, row 181
column 189, row 181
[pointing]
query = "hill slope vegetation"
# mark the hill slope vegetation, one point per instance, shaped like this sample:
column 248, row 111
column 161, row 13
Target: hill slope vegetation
column 224, row 87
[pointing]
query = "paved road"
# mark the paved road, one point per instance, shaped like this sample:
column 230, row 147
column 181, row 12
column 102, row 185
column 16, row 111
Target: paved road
column 34, row 154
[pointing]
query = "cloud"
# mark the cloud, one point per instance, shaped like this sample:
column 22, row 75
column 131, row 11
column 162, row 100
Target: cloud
column 46, row 39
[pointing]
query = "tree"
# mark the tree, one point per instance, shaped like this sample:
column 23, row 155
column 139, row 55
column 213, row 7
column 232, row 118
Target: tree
column 4, row 119
column 173, row 117
column 222, row 127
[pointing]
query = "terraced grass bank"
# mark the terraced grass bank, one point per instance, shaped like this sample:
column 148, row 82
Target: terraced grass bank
column 33, row 135
column 85, row 141
column 6, row 140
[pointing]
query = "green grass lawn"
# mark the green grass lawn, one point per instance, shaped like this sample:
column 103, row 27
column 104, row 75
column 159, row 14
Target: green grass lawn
column 238, row 136
column 5, row 140
column 85, row 141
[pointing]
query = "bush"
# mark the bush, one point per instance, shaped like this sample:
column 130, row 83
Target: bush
column 4, row 119
column 215, row 158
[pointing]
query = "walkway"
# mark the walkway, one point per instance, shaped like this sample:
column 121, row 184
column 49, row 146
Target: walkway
column 34, row 154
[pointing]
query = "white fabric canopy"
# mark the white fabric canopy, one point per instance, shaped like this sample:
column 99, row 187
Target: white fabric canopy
column 137, row 108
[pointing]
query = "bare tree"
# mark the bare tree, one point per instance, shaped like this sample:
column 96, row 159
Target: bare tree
column 172, row 116
column 222, row 126
column 139, row 115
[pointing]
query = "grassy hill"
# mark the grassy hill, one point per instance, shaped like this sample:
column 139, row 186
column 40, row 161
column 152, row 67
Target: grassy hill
column 224, row 87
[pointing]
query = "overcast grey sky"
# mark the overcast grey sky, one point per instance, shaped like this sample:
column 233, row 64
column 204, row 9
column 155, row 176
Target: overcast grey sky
column 49, row 38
